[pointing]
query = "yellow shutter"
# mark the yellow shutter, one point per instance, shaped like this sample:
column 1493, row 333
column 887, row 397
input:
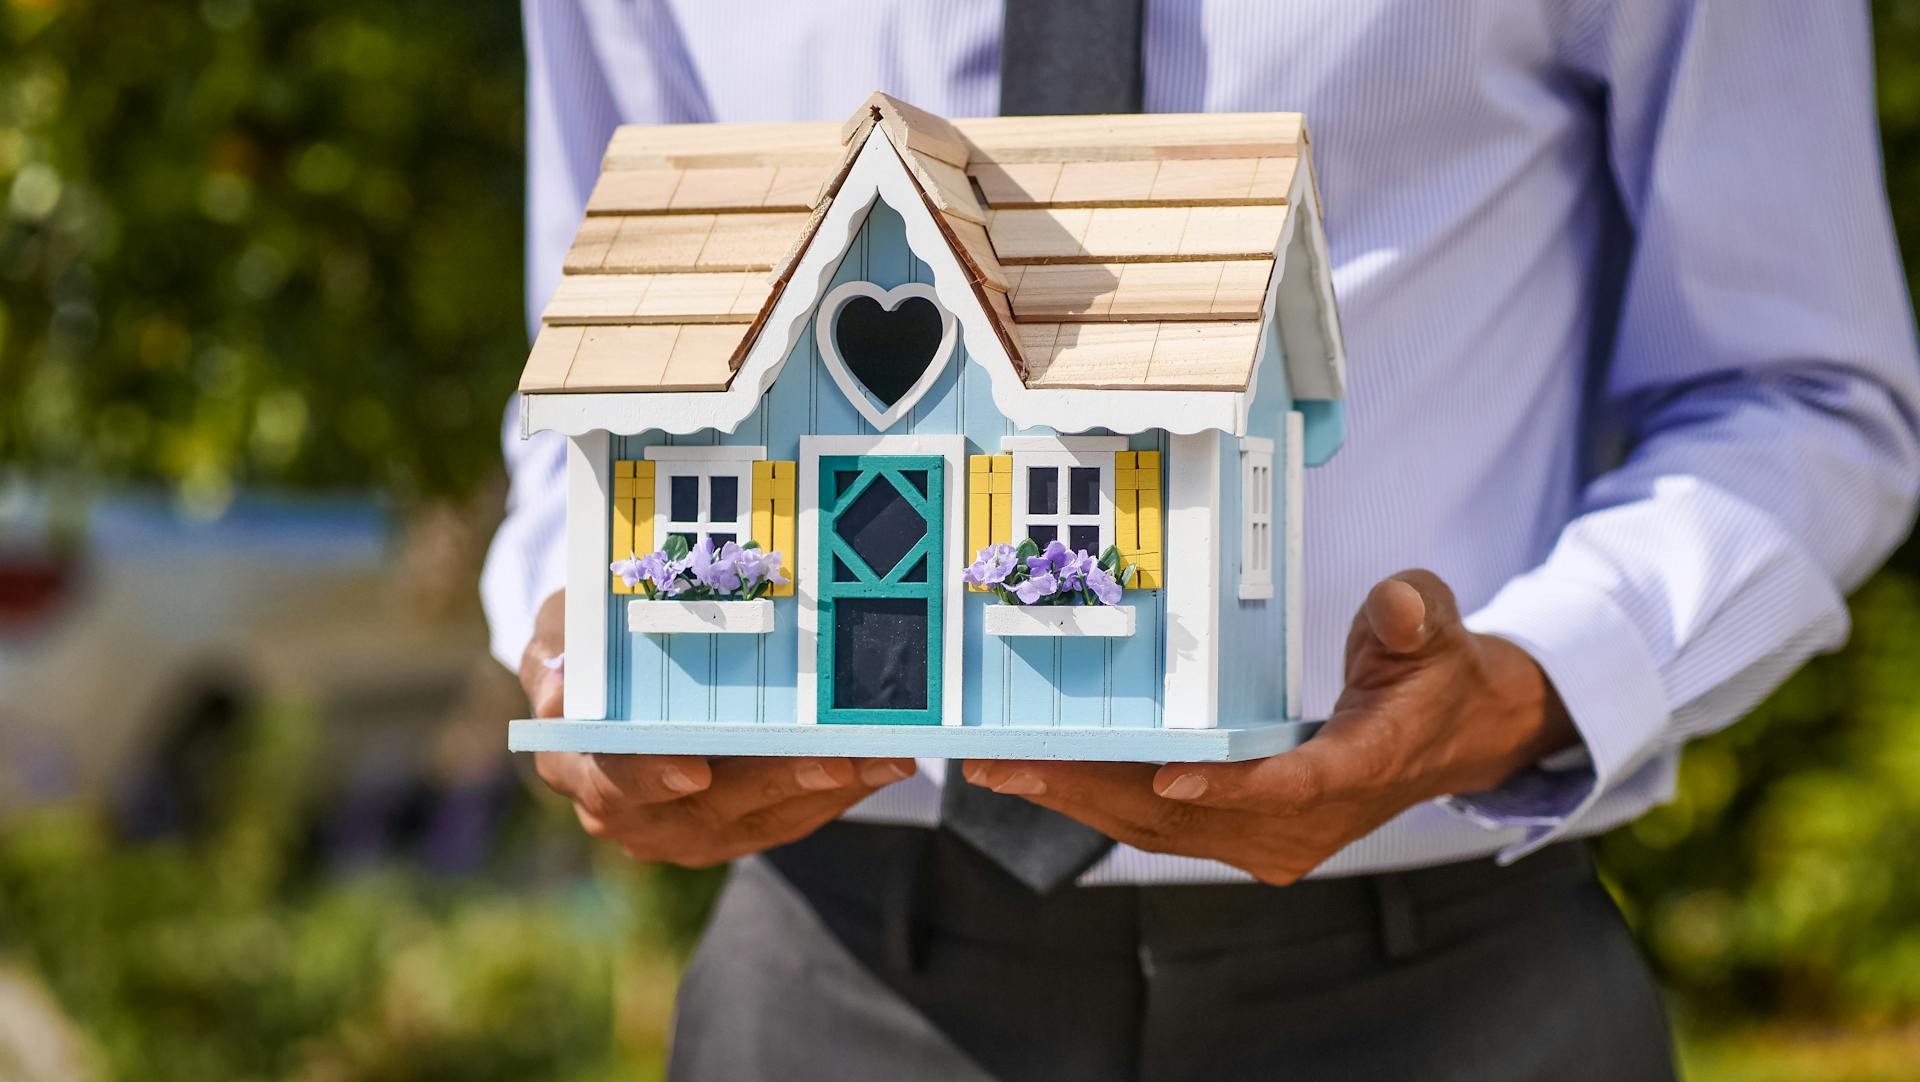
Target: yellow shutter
column 774, row 516
column 632, row 515
column 1136, row 526
column 989, row 502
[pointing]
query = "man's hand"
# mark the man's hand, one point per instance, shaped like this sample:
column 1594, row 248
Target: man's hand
column 1429, row 708
column 686, row 809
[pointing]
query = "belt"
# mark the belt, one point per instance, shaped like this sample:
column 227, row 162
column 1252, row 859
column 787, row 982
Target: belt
column 913, row 881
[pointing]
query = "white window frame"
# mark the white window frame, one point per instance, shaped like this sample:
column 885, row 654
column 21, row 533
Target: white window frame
column 1094, row 452
column 1256, row 518
column 705, row 463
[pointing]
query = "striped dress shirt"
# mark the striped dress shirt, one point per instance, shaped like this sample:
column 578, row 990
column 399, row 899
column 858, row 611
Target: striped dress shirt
column 1631, row 360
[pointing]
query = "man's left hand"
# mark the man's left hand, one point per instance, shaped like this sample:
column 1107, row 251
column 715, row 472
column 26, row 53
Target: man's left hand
column 1429, row 709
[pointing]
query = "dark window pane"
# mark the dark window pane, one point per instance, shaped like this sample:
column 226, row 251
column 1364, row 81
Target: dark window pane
column 1043, row 535
column 917, row 573
column 880, row 653
column 916, row 478
column 843, row 573
column 722, row 538
column 1083, row 490
column 1043, row 490
column 687, row 537
column 843, row 480
column 1084, row 539
column 881, row 526
column 723, row 499
column 684, row 503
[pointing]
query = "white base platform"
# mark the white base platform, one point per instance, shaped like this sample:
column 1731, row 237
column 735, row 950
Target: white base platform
column 1254, row 741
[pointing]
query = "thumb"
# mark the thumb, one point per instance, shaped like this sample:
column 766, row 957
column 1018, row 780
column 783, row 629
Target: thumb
column 549, row 689
column 1410, row 611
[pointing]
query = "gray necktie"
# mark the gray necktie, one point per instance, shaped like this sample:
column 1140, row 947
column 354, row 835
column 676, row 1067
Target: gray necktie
column 1056, row 57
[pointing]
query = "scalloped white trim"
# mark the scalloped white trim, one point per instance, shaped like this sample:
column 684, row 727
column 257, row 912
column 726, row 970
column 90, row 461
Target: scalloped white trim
column 879, row 174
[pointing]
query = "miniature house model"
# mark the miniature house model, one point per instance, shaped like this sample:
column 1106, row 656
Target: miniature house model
column 880, row 350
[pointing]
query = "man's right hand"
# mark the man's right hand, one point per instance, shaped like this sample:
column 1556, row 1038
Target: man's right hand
column 686, row 809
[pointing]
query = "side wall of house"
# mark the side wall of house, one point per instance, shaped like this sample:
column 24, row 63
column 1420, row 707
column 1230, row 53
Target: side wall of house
column 1253, row 646
column 751, row 678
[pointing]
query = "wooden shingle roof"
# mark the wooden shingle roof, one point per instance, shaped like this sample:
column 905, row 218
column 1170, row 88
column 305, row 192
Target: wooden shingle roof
column 1110, row 251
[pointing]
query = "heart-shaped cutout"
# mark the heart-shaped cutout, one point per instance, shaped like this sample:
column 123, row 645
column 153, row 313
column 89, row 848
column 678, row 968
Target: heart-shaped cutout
column 887, row 349
column 884, row 347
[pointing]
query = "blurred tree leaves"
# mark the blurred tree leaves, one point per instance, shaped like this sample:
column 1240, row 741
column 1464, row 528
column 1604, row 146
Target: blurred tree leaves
column 275, row 242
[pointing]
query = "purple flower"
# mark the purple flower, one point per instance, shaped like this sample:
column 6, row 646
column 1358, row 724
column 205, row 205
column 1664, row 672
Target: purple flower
column 1038, row 585
column 758, row 566
column 717, row 571
column 1073, row 575
column 663, row 573
column 631, row 570
column 992, row 567
column 1103, row 586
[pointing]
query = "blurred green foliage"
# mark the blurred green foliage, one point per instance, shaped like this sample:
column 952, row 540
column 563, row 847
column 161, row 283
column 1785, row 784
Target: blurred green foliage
column 275, row 242
column 233, row 956
column 281, row 243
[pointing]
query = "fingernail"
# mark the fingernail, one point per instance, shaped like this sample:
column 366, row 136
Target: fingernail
column 874, row 775
column 814, row 776
column 1022, row 785
column 1185, row 787
column 678, row 780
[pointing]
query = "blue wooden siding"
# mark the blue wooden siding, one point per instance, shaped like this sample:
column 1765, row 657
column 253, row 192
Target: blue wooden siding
column 1253, row 647
column 751, row 678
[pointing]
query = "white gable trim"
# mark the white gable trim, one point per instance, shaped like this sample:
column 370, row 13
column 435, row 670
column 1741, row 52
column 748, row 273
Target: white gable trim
column 878, row 173
column 1301, row 309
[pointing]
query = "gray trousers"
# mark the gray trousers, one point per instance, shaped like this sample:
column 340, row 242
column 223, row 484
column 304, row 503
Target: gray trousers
column 895, row 953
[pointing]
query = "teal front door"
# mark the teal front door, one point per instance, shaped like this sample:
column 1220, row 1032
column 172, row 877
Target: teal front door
column 879, row 589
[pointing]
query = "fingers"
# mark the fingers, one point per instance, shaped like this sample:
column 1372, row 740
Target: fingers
column 746, row 784
column 603, row 785
column 1352, row 757
column 1290, row 782
column 1408, row 611
column 540, row 663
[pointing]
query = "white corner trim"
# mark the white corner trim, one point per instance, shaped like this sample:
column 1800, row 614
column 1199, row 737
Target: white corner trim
column 850, row 385
column 1069, row 444
column 712, row 453
column 1067, row 621
column 1257, row 444
column 589, row 531
column 953, row 449
column 669, row 617
column 1192, row 695
column 1293, row 560
column 877, row 173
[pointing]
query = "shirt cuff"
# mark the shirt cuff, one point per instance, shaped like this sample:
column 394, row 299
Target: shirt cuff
column 1599, row 664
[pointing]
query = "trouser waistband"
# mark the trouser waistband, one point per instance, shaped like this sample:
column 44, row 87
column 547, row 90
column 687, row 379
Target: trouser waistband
column 913, row 880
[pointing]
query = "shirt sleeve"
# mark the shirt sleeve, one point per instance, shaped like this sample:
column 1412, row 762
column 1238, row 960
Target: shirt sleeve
column 571, row 113
column 572, row 110
column 1763, row 377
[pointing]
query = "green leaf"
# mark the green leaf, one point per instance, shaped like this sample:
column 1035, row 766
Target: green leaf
column 1110, row 558
column 675, row 548
column 1126, row 575
column 1025, row 549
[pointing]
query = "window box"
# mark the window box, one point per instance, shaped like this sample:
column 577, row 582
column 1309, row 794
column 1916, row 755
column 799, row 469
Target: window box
column 1109, row 621
column 667, row 617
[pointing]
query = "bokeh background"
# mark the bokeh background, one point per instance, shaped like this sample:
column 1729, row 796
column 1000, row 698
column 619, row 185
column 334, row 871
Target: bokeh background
column 260, row 303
